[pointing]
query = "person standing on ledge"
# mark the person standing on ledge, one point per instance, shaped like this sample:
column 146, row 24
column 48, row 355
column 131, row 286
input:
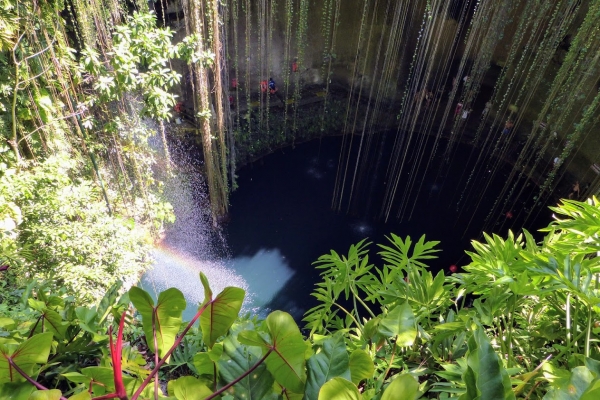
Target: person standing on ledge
column 272, row 86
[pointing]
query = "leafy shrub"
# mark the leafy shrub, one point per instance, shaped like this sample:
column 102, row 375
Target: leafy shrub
column 70, row 238
column 392, row 332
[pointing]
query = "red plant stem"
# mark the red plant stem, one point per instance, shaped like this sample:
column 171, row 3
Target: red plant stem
column 116, row 351
column 168, row 353
column 239, row 378
column 29, row 379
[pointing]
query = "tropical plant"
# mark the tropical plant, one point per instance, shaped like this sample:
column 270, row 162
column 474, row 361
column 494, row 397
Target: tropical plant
column 390, row 332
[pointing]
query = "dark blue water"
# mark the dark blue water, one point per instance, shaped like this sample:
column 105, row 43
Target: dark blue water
column 282, row 210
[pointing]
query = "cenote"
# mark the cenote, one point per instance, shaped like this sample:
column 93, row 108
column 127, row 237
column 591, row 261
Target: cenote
column 281, row 220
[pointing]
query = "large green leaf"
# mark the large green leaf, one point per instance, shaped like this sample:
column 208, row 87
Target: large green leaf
column 16, row 391
column 189, row 388
column 166, row 316
column 361, row 366
column 85, row 395
column 220, row 314
column 29, row 353
column 52, row 394
column 53, row 322
column 573, row 386
column 238, row 359
column 400, row 321
column 404, row 387
column 339, row 389
column 287, row 359
column 331, row 362
column 490, row 376
column 101, row 379
column 204, row 365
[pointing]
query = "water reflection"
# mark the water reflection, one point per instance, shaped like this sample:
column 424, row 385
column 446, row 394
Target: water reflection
column 266, row 272
column 262, row 276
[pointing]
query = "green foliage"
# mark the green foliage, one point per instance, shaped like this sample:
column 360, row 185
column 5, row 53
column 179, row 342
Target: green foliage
column 65, row 233
column 420, row 343
column 161, row 321
column 138, row 62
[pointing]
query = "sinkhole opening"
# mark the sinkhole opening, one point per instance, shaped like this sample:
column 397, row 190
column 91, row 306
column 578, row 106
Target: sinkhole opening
column 283, row 216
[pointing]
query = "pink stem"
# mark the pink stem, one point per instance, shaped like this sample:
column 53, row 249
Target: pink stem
column 29, row 379
column 239, row 378
column 168, row 354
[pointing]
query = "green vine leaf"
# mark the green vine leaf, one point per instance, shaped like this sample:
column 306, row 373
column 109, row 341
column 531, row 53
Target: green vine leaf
column 404, row 387
column 166, row 315
column 339, row 389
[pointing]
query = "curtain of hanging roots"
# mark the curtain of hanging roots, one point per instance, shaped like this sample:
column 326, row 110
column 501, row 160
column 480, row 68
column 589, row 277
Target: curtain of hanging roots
column 216, row 180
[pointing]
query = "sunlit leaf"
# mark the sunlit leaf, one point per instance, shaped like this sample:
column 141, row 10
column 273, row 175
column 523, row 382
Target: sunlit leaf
column 332, row 361
column 166, row 316
column 339, row 389
column 361, row 366
column 404, row 387
column 218, row 317
column 400, row 321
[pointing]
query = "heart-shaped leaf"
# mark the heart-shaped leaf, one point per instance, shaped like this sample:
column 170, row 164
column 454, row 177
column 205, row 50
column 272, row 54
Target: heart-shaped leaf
column 404, row 387
column 220, row 314
column 165, row 316
column 339, row 389
column 29, row 353
column 287, row 359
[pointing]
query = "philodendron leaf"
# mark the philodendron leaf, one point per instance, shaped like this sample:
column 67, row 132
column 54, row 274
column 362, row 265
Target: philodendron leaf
column 29, row 353
column 220, row 314
column 238, row 359
column 339, row 389
column 85, row 395
column 252, row 338
column 400, row 321
column 189, row 388
column 286, row 361
column 577, row 385
column 404, row 387
column 166, row 316
column 52, row 394
column 101, row 379
column 16, row 391
column 491, row 378
column 331, row 362
column 204, row 365
column 361, row 366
